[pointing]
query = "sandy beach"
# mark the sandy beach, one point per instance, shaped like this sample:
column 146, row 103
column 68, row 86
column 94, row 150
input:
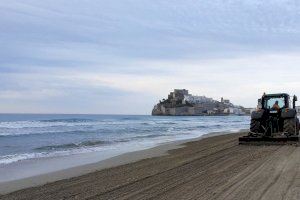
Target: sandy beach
column 210, row 168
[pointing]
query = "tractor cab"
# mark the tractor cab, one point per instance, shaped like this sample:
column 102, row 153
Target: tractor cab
column 282, row 100
column 275, row 104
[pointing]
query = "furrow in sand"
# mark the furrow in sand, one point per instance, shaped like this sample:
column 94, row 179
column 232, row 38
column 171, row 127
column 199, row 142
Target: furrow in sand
column 177, row 177
column 135, row 183
column 203, row 187
column 198, row 169
column 286, row 179
column 167, row 174
column 254, row 159
column 175, row 165
column 185, row 180
column 255, row 181
column 278, row 172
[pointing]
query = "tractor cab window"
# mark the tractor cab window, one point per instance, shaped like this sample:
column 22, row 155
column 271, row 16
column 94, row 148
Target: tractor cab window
column 269, row 103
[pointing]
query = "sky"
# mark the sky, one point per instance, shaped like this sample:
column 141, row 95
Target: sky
column 123, row 56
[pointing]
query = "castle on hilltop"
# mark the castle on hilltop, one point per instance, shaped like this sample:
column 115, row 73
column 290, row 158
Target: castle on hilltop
column 180, row 102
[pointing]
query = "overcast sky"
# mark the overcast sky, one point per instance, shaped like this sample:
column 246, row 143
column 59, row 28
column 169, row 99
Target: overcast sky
column 122, row 56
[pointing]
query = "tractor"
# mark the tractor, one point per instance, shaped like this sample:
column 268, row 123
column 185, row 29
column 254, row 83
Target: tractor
column 274, row 122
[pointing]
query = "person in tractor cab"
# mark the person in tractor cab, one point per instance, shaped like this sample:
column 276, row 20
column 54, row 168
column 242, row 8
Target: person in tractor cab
column 276, row 106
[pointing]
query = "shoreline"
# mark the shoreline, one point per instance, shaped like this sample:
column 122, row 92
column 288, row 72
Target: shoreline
column 214, row 167
column 122, row 159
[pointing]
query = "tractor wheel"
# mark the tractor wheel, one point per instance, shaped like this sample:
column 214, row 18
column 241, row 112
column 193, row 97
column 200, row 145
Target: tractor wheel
column 255, row 126
column 298, row 126
column 291, row 126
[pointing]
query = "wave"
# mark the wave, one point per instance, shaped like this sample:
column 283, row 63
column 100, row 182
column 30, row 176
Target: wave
column 18, row 157
column 46, row 124
column 147, row 123
column 73, row 145
column 202, row 126
column 23, row 133
column 69, row 120
column 58, row 150
column 151, row 136
column 7, row 159
column 167, row 123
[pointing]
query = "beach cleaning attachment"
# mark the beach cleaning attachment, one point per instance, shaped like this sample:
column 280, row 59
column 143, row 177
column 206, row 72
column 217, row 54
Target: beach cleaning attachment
column 275, row 121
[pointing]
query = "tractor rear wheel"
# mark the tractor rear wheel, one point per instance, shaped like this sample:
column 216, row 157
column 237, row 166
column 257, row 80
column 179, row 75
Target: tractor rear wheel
column 291, row 126
column 297, row 126
column 255, row 126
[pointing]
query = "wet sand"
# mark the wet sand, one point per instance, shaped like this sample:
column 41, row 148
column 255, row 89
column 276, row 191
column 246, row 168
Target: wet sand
column 210, row 168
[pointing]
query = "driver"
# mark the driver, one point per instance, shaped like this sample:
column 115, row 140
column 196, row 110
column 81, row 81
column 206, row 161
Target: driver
column 276, row 106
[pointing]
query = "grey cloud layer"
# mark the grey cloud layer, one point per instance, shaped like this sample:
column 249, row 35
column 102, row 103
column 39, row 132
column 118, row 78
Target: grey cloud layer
column 45, row 44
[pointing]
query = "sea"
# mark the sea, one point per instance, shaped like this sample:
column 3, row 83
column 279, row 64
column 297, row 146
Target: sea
column 32, row 136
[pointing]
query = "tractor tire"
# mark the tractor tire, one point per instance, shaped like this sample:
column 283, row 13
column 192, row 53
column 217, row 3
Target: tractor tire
column 255, row 126
column 291, row 126
column 298, row 126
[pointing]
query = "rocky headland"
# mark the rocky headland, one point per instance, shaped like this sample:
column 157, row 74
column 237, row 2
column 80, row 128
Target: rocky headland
column 181, row 103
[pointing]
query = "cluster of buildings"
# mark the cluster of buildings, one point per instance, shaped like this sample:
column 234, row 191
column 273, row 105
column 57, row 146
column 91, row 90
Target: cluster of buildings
column 180, row 102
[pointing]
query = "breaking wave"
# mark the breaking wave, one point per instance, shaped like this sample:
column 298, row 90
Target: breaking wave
column 70, row 120
column 73, row 145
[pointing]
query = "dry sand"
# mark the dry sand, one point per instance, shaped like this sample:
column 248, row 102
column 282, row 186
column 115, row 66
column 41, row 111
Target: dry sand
column 211, row 168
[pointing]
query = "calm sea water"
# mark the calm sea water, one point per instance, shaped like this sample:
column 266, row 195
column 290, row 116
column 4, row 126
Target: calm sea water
column 36, row 136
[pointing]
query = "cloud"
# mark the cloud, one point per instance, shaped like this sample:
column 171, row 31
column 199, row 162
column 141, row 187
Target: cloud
column 123, row 56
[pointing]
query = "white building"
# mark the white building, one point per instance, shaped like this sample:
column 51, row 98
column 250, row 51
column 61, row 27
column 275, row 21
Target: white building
column 234, row 111
column 196, row 99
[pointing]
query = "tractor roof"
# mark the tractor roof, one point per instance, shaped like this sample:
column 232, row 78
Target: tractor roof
column 277, row 95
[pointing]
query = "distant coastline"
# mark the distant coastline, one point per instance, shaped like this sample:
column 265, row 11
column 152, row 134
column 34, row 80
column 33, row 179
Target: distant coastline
column 181, row 103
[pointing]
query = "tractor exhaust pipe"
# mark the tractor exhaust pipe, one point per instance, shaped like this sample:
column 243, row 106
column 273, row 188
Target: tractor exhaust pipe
column 294, row 101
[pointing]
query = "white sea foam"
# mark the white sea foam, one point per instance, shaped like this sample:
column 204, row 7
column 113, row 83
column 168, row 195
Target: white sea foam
column 25, row 156
column 30, row 139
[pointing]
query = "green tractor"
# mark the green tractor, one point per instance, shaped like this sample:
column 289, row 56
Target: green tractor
column 274, row 122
